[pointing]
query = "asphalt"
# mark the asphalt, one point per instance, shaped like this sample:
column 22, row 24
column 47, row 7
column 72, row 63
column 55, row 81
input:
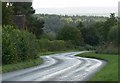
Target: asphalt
column 58, row 67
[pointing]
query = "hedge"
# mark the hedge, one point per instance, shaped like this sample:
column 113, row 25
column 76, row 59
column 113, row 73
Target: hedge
column 17, row 45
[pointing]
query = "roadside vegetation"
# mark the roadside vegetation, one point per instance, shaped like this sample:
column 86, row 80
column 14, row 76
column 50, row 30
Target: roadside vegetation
column 107, row 73
column 21, row 65
column 54, row 52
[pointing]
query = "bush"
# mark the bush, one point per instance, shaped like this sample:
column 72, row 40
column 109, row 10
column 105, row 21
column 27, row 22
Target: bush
column 108, row 48
column 55, row 45
column 89, row 47
column 43, row 45
column 113, row 34
column 17, row 45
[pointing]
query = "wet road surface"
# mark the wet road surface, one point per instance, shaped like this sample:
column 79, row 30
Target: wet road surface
column 58, row 67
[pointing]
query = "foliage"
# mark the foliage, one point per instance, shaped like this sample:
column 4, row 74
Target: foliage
column 89, row 47
column 0, row 44
column 93, row 26
column 18, row 45
column 50, row 35
column 107, row 25
column 109, row 36
column 107, row 48
column 55, row 45
column 113, row 34
column 55, row 23
column 25, row 8
column 35, row 25
column 21, row 65
column 6, row 14
column 72, row 34
column 22, row 8
column 90, row 35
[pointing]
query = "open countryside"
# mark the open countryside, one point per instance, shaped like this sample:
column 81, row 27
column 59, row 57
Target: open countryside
column 55, row 47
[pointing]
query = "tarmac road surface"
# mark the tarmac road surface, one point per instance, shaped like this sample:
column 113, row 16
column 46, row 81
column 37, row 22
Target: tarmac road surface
column 58, row 67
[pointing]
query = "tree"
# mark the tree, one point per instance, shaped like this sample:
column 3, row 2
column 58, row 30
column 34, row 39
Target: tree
column 112, row 21
column 72, row 34
column 80, row 25
column 50, row 35
column 36, row 26
column 6, row 13
column 23, row 8
column 90, row 35
column 113, row 34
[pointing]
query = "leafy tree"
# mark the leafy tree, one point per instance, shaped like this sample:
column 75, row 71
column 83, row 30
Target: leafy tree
column 35, row 26
column 90, row 35
column 54, row 23
column 113, row 34
column 112, row 21
column 98, row 27
column 71, row 33
column 50, row 35
column 6, row 13
column 80, row 25
column 119, row 30
column 23, row 8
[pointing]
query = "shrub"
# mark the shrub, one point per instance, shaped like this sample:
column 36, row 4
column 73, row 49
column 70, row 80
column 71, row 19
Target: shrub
column 55, row 45
column 108, row 48
column 89, row 47
column 17, row 45
column 43, row 44
column 113, row 34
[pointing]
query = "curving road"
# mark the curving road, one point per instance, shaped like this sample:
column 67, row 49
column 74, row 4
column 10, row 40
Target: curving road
column 58, row 67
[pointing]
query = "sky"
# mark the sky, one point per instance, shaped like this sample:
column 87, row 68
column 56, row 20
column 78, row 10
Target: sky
column 49, row 6
column 74, row 3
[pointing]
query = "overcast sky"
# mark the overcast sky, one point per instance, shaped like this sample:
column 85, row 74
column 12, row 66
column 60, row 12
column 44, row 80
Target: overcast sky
column 74, row 3
column 47, row 6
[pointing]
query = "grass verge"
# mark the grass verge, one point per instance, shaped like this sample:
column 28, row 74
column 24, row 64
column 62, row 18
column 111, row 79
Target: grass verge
column 54, row 52
column 107, row 73
column 21, row 65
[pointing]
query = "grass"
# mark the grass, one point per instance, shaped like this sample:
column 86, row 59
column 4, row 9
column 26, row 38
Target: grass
column 21, row 65
column 46, row 53
column 107, row 73
column 54, row 52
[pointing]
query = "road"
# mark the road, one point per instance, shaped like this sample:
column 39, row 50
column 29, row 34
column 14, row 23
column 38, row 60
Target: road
column 58, row 67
